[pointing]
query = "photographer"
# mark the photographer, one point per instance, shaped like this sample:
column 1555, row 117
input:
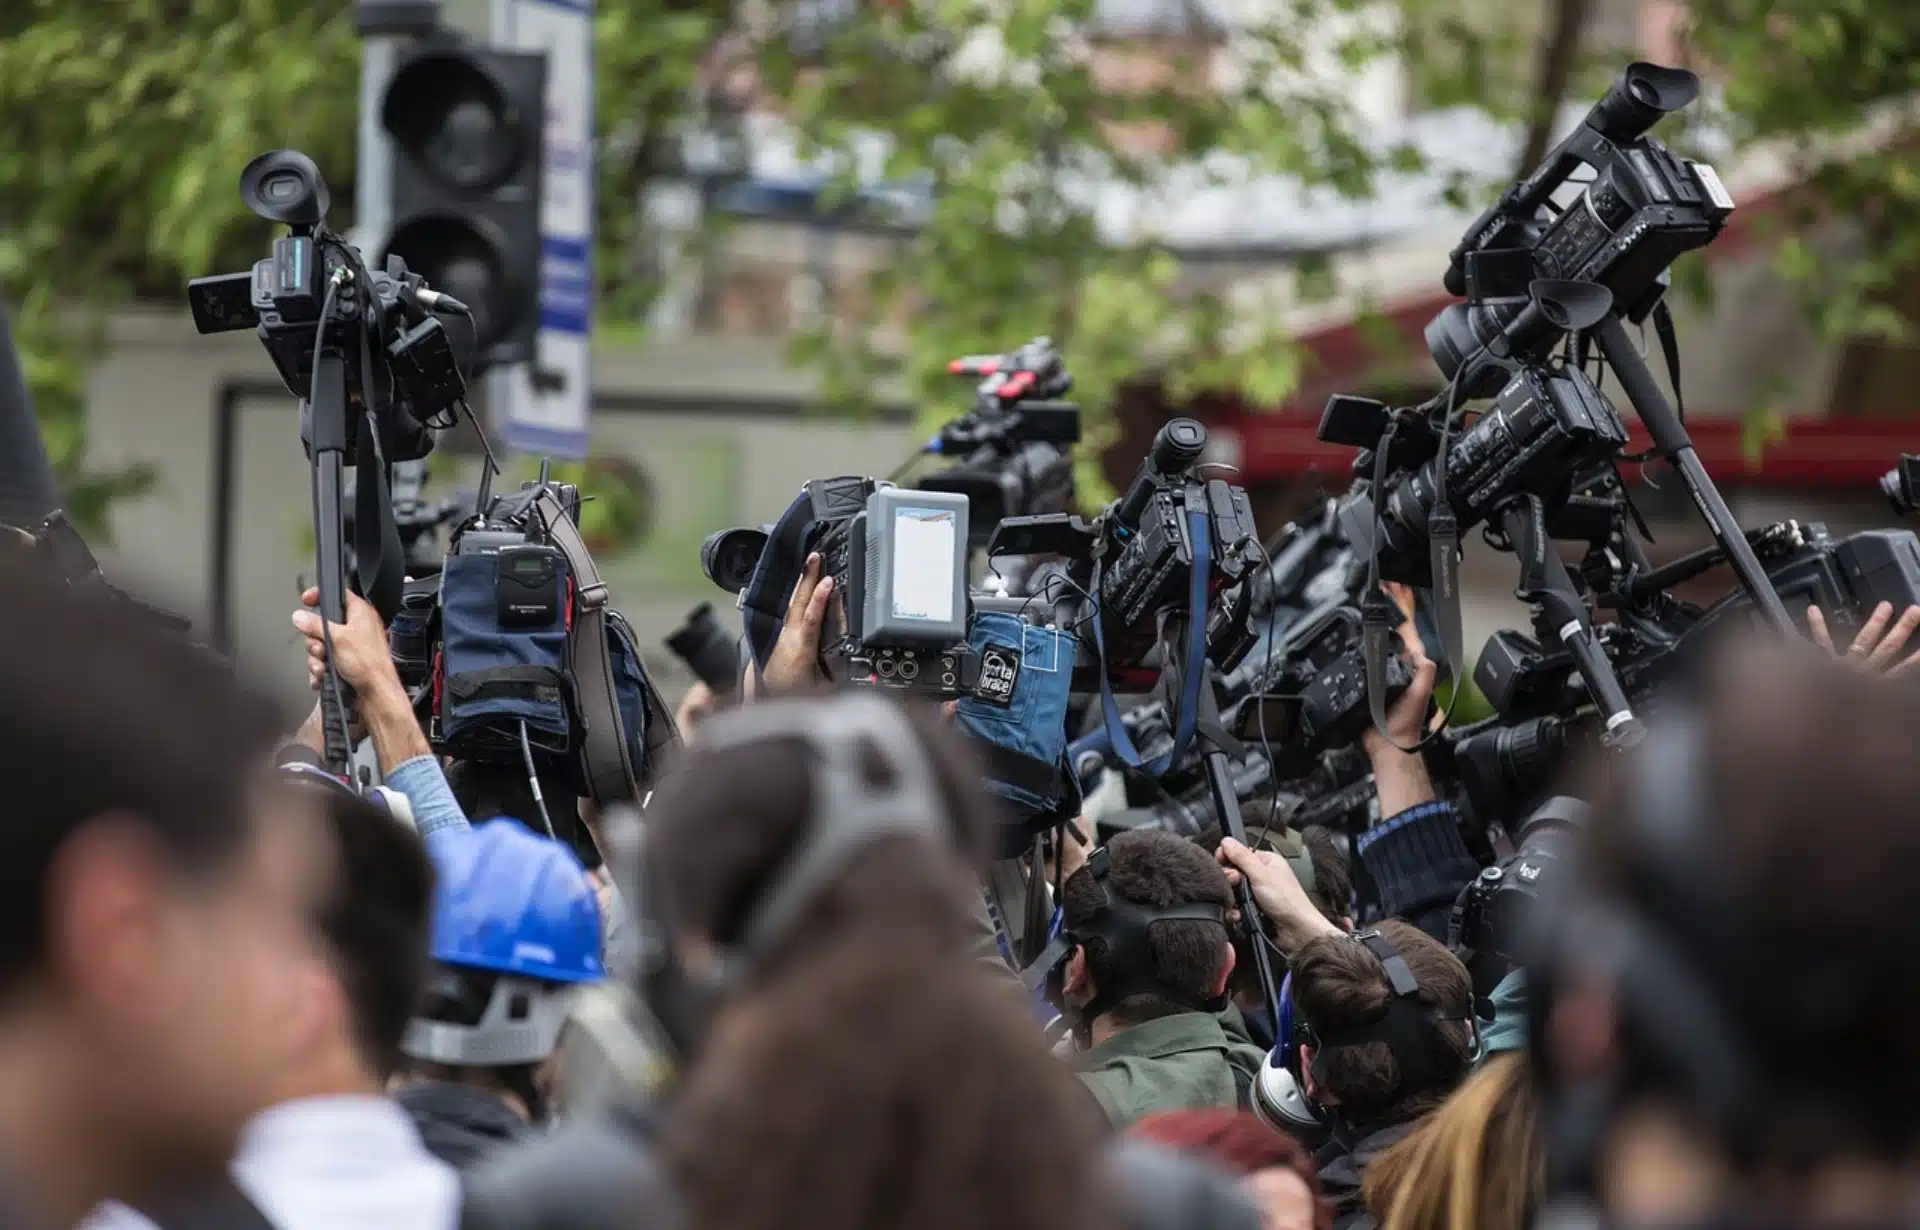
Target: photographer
column 1144, row 991
column 853, row 1066
column 1724, row 1008
column 516, row 930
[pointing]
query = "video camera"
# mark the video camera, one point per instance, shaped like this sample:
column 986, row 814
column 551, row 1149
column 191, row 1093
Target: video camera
column 1015, row 445
column 1172, row 545
column 373, row 368
column 1642, row 208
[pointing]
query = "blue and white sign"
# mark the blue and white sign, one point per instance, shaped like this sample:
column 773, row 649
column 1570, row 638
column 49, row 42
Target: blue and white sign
column 547, row 407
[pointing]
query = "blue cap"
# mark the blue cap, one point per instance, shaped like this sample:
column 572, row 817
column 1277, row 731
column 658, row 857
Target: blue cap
column 514, row 903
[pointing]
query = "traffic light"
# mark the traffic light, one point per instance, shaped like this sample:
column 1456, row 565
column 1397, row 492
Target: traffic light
column 466, row 124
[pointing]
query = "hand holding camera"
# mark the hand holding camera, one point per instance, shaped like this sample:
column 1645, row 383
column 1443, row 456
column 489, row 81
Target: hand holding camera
column 794, row 664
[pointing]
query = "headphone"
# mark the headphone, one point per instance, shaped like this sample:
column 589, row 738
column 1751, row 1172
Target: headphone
column 847, row 812
column 1408, row 1028
column 1123, row 927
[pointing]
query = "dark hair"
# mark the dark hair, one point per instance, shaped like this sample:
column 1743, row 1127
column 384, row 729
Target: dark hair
column 1798, row 933
column 876, row 1075
column 1338, row 984
column 374, row 919
column 1332, row 892
column 112, row 716
column 1153, row 867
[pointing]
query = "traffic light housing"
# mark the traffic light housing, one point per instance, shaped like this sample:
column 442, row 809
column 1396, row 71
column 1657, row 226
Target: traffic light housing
column 466, row 124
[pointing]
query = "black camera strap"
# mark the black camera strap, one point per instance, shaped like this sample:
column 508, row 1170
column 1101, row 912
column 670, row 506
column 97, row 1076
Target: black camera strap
column 1193, row 668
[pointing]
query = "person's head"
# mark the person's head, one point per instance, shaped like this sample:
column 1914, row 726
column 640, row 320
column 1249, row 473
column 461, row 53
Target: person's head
column 1376, row 1056
column 865, row 1069
column 516, row 931
column 1322, row 871
column 1178, row 964
column 1276, row 1171
column 154, row 895
column 371, row 925
column 1732, row 991
column 1473, row 1164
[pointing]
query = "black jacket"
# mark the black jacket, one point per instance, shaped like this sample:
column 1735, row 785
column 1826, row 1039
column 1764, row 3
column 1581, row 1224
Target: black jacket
column 1343, row 1166
column 458, row 1124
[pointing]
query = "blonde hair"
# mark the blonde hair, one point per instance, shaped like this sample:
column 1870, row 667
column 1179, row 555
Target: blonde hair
column 1473, row 1164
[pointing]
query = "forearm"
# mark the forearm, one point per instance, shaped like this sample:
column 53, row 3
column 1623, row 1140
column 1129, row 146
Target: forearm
column 387, row 713
column 1401, row 782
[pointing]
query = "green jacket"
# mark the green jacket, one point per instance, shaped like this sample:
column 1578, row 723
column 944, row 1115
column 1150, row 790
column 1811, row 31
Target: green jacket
column 1180, row 1062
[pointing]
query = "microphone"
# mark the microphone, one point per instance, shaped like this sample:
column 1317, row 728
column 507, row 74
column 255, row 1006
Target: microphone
column 439, row 301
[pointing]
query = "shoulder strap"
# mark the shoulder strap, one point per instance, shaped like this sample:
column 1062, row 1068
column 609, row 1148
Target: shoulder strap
column 221, row 1206
column 608, row 767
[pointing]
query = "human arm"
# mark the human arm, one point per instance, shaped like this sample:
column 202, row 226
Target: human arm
column 407, row 762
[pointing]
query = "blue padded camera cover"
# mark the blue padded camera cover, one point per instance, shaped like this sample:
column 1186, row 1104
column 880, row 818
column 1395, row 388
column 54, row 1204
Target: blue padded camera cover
column 495, row 678
column 1019, row 709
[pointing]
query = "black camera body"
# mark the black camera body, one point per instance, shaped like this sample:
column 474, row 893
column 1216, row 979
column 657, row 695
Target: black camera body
column 1548, row 424
column 1845, row 577
column 876, row 640
column 1315, row 700
column 1643, row 208
column 379, row 324
column 1496, row 912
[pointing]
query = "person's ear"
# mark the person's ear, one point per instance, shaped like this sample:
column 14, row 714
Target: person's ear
column 1306, row 1073
column 1226, row 970
column 1078, row 983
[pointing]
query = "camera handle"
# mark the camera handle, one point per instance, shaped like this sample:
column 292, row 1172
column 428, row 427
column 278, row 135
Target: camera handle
column 1559, row 611
column 328, row 414
column 1671, row 441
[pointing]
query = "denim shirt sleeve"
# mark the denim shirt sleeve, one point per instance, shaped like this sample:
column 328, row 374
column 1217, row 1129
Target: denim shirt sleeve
column 425, row 787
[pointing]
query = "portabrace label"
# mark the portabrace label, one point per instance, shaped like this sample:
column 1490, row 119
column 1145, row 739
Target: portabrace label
column 999, row 673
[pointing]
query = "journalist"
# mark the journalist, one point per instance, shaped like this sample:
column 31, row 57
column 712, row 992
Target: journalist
column 853, row 1066
column 153, row 922
column 1724, row 1006
column 516, row 930
column 332, row 1150
column 1147, row 978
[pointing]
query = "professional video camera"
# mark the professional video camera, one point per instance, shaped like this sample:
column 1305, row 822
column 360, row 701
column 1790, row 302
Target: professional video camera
column 371, row 363
column 1541, row 462
column 1642, row 208
column 1015, row 445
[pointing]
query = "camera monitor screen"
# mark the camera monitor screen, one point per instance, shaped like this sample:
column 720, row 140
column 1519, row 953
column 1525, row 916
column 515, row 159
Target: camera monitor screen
column 924, row 544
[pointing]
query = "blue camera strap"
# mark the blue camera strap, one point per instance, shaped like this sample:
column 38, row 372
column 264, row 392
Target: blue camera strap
column 1200, row 536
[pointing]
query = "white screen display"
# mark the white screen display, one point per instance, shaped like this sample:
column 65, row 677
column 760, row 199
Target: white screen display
column 923, row 545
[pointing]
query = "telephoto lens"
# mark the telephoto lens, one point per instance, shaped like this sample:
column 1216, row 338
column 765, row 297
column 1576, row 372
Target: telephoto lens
column 712, row 655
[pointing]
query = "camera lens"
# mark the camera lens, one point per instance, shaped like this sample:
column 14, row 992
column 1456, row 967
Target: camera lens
column 729, row 557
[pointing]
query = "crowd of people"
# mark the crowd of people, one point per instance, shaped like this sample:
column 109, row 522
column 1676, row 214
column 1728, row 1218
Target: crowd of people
column 239, row 991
